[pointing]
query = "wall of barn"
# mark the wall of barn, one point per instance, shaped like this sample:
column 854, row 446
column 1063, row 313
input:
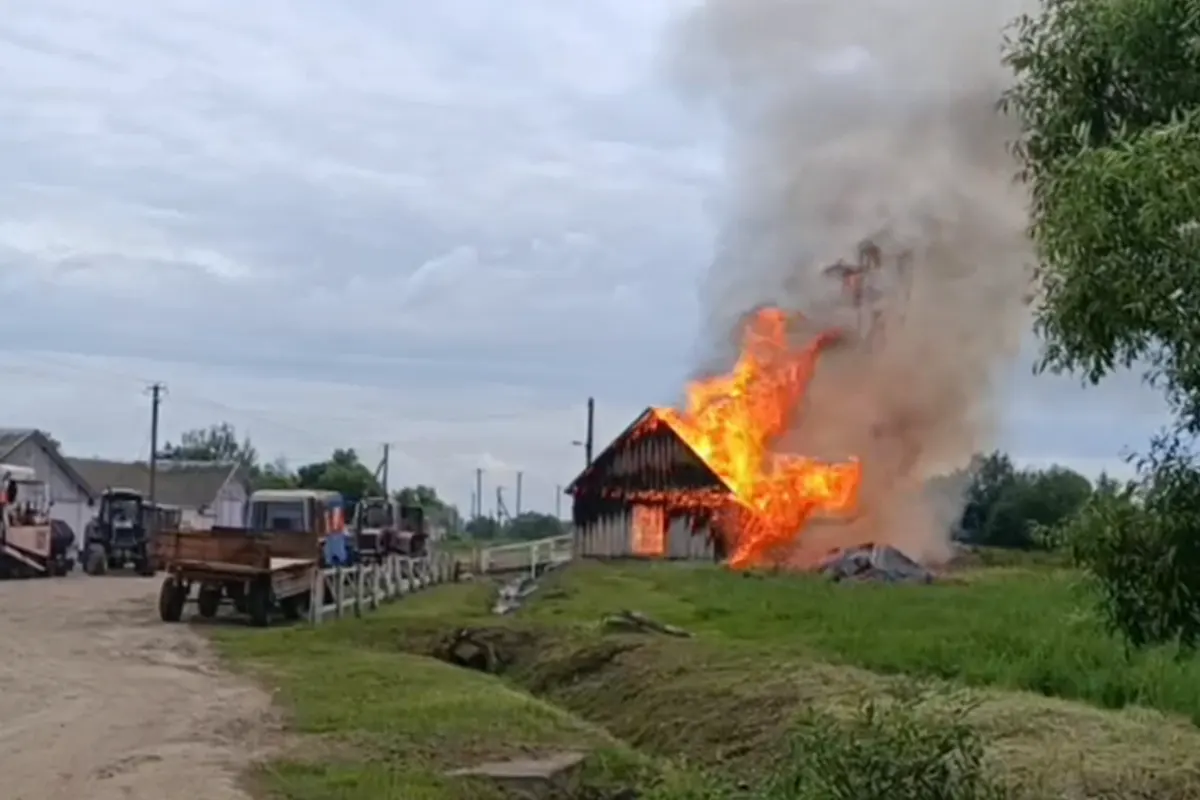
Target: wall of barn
column 612, row 537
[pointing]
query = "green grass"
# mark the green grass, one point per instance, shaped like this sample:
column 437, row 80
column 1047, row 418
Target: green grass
column 384, row 721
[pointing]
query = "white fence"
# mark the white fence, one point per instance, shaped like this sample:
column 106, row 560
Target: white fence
column 352, row 590
column 526, row 556
column 349, row 591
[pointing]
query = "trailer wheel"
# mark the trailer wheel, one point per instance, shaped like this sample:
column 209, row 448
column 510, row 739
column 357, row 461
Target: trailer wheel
column 171, row 598
column 258, row 603
column 95, row 562
column 208, row 601
column 296, row 607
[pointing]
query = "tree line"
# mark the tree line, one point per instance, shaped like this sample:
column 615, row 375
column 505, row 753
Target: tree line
column 345, row 472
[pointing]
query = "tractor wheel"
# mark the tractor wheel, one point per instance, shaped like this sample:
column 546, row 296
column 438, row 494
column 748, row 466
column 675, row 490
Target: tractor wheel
column 258, row 603
column 171, row 598
column 96, row 561
column 144, row 565
column 296, row 607
column 208, row 600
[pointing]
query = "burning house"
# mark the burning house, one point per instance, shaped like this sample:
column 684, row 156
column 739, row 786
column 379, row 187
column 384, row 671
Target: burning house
column 650, row 495
column 710, row 480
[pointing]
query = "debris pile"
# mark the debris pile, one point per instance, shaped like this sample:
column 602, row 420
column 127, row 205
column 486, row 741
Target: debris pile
column 878, row 563
column 637, row 622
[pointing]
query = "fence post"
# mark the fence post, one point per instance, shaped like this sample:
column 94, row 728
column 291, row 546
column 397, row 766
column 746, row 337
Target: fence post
column 359, row 587
column 316, row 596
column 339, row 591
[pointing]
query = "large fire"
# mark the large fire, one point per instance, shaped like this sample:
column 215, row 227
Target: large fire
column 735, row 423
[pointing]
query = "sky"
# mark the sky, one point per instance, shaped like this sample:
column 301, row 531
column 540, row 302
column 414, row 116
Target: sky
column 440, row 226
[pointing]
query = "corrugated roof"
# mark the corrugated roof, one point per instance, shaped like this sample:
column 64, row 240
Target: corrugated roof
column 186, row 484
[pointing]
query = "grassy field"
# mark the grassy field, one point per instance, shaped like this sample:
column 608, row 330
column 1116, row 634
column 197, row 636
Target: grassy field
column 1057, row 701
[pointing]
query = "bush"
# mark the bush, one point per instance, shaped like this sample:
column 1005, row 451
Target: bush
column 1140, row 545
column 895, row 749
column 911, row 747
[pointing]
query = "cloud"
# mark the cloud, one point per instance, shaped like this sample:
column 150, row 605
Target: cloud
column 441, row 226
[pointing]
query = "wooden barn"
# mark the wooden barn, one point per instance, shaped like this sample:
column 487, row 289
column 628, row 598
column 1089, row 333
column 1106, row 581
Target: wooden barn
column 648, row 495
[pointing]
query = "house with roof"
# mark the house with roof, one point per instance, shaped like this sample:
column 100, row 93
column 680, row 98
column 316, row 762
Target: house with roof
column 72, row 496
column 208, row 493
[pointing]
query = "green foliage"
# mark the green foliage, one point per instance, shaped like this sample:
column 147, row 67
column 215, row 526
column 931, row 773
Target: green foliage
column 1109, row 95
column 1010, row 508
column 890, row 750
column 532, row 525
column 215, row 443
column 1140, row 545
column 343, row 473
column 437, row 511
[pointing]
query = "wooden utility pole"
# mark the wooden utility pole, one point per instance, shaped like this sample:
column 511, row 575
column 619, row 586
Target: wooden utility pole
column 383, row 481
column 157, row 390
column 479, row 492
column 591, row 421
column 517, row 501
column 558, row 501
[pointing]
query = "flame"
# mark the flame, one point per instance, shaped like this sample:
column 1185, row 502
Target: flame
column 734, row 423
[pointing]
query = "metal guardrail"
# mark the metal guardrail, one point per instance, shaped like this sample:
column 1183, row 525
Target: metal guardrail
column 339, row 591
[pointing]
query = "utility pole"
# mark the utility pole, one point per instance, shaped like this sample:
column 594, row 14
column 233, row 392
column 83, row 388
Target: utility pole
column 157, row 390
column 517, row 511
column 384, row 480
column 591, row 420
column 558, row 501
column 479, row 492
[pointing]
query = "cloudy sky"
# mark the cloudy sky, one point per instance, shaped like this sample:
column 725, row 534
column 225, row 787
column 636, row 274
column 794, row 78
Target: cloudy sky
column 441, row 225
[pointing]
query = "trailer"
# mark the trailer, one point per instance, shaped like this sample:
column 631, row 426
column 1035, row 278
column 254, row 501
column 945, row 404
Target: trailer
column 257, row 573
column 265, row 568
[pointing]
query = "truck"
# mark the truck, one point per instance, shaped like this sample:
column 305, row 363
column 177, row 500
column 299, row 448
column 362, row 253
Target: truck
column 31, row 544
column 265, row 568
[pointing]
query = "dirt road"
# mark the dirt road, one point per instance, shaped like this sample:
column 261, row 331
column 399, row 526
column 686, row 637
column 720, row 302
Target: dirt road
column 101, row 700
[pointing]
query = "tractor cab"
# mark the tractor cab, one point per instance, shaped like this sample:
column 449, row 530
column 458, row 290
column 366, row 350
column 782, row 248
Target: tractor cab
column 300, row 520
column 374, row 525
column 120, row 533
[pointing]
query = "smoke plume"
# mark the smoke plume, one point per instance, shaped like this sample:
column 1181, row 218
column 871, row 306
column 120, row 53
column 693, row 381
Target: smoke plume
column 849, row 120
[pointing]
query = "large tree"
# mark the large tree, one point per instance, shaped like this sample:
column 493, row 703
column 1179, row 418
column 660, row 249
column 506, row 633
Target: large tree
column 218, row 442
column 342, row 473
column 1108, row 92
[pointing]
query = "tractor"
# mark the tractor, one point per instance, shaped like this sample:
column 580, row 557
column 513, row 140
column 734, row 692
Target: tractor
column 120, row 534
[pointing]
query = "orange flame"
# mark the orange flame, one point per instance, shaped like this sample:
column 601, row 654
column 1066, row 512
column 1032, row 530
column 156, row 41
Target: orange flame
column 735, row 421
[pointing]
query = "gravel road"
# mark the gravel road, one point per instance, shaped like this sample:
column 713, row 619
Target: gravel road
column 101, row 700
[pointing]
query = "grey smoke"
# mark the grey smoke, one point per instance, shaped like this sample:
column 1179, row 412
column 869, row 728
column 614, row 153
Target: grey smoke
column 859, row 119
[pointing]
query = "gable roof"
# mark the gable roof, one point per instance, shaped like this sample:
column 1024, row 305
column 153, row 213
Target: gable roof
column 188, row 484
column 649, row 422
column 13, row 438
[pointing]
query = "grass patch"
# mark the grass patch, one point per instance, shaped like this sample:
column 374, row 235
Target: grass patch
column 771, row 655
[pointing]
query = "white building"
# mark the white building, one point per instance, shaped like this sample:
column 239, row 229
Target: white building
column 208, row 493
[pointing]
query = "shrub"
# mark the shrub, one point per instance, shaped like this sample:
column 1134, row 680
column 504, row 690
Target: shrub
column 1140, row 545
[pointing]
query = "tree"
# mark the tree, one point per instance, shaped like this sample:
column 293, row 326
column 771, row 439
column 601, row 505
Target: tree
column 1109, row 98
column 532, row 525
column 483, row 528
column 437, row 511
column 275, row 475
column 1108, row 94
column 215, row 443
column 342, row 473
